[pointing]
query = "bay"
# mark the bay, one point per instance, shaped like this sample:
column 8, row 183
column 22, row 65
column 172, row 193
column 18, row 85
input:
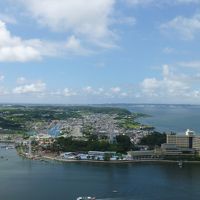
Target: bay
column 168, row 118
column 22, row 179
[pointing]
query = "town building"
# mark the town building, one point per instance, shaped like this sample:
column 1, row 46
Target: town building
column 189, row 140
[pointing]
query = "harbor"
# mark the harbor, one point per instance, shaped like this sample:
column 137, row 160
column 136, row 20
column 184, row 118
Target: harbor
column 33, row 179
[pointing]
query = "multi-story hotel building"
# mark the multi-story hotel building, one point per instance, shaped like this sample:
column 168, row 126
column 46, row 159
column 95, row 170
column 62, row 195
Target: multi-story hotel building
column 189, row 140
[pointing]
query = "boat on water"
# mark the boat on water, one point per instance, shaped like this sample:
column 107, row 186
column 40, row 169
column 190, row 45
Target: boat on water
column 86, row 198
column 10, row 147
column 180, row 164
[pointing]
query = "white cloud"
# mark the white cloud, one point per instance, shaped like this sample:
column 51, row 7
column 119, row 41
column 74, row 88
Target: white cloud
column 7, row 18
column 166, row 71
column 13, row 48
column 191, row 64
column 100, row 90
column 21, row 80
column 89, row 90
column 73, row 45
column 18, row 53
column 124, row 94
column 87, row 18
column 2, row 77
column 186, row 28
column 38, row 87
column 68, row 92
column 169, row 86
column 149, row 86
column 115, row 90
column 104, row 93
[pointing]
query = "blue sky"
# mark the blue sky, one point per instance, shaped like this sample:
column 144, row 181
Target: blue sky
column 100, row 51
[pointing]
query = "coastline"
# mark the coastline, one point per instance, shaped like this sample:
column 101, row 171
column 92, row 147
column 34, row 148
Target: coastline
column 115, row 162
column 50, row 158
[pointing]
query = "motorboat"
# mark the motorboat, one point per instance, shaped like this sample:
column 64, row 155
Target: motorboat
column 180, row 164
column 86, row 198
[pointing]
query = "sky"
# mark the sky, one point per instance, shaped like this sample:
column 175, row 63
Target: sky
column 100, row 51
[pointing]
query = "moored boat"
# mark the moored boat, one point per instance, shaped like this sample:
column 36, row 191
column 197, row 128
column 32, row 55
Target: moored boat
column 86, row 198
column 180, row 164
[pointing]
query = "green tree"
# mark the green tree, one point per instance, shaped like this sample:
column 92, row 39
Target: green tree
column 153, row 139
column 123, row 143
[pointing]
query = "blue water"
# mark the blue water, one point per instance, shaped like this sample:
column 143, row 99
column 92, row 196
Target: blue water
column 35, row 180
column 167, row 118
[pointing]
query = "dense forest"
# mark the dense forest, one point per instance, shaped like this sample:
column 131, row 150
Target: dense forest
column 122, row 145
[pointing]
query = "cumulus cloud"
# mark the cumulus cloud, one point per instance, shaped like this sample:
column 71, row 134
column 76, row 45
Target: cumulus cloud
column 100, row 90
column 115, row 90
column 166, row 71
column 88, row 90
column 68, row 92
column 18, row 53
column 124, row 94
column 38, row 87
column 74, row 46
column 169, row 86
column 103, row 92
column 87, row 18
column 13, row 48
column 2, row 77
column 149, row 86
column 186, row 28
column 88, row 26
column 73, row 43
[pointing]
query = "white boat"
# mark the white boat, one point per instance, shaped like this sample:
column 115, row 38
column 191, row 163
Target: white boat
column 9, row 147
column 180, row 164
column 86, row 198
